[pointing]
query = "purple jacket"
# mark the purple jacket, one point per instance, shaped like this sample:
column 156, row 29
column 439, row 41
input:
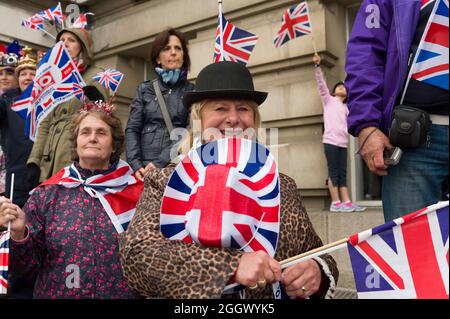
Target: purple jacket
column 377, row 62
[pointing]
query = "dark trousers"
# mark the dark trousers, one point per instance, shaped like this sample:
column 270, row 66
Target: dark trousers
column 337, row 164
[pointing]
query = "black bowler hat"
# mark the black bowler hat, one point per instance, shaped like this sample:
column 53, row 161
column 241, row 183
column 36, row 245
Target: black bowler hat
column 224, row 80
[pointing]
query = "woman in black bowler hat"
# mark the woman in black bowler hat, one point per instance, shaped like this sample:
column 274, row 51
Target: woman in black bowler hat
column 156, row 266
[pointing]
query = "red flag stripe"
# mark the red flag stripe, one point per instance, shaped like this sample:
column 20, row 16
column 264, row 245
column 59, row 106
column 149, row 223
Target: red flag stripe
column 116, row 174
column 426, row 273
column 190, row 169
column 3, row 283
column 4, row 259
column 171, row 206
column 412, row 216
column 230, row 49
column 234, row 151
column 242, row 204
column 385, row 267
column 442, row 67
column 257, row 186
column 125, row 200
column 437, row 34
column 289, row 24
column 247, row 234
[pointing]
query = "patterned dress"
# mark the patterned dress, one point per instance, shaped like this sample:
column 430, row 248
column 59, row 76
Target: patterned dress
column 71, row 248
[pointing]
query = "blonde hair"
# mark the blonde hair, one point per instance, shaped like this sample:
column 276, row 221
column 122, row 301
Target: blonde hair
column 195, row 115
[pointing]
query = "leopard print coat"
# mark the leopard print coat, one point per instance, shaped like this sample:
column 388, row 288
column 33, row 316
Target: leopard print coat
column 157, row 267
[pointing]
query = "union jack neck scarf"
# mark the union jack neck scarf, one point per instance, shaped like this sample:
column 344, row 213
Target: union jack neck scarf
column 118, row 190
column 224, row 194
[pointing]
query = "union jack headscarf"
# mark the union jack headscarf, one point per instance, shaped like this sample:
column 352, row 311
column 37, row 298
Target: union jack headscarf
column 224, row 194
column 118, row 191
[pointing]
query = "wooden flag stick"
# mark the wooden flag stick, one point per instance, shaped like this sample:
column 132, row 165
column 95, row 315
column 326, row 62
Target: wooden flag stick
column 314, row 43
column 11, row 193
column 313, row 253
column 221, row 30
column 307, row 255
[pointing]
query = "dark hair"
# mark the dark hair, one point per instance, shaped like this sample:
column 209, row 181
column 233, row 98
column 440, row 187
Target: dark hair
column 162, row 40
column 117, row 132
column 336, row 86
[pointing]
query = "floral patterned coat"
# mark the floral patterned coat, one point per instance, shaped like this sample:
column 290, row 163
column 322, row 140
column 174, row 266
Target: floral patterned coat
column 71, row 248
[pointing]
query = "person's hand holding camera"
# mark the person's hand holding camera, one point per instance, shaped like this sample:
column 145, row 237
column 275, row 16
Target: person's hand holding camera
column 372, row 143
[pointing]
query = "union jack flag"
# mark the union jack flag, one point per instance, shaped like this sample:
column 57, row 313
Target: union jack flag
column 4, row 261
column 53, row 14
column 81, row 22
column 224, row 194
column 78, row 91
column 294, row 23
column 233, row 44
column 431, row 61
column 405, row 258
column 109, row 79
column 55, row 82
column 118, row 191
column 35, row 22
column 425, row 3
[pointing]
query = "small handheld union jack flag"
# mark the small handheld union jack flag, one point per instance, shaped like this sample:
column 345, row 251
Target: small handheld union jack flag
column 35, row 22
column 81, row 22
column 233, row 44
column 294, row 24
column 53, row 84
column 4, row 261
column 109, row 78
column 406, row 258
column 54, row 14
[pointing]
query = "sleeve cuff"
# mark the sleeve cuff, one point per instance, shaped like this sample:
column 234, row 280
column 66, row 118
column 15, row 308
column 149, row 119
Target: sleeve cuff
column 25, row 239
column 332, row 283
column 136, row 165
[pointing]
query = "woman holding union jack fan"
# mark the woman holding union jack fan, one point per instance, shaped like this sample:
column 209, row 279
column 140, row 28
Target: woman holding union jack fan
column 218, row 224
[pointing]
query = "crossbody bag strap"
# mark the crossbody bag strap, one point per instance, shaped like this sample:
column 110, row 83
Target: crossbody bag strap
column 163, row 106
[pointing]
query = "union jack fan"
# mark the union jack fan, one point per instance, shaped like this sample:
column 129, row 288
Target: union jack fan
column 224, row 208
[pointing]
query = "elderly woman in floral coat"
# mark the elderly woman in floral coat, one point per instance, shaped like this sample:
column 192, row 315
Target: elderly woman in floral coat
column 67, row 234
